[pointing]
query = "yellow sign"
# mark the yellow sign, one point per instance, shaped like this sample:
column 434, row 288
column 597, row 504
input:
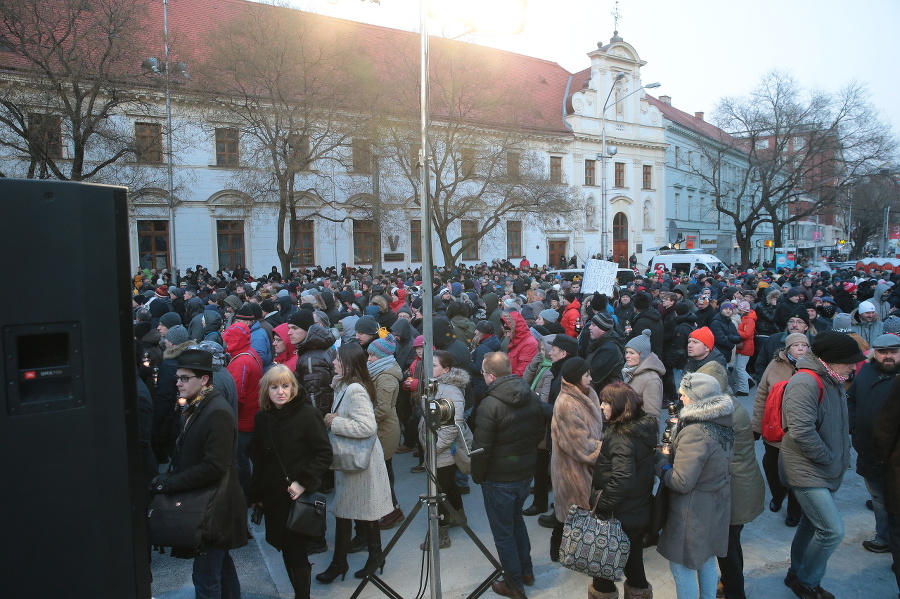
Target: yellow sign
column 767, row 243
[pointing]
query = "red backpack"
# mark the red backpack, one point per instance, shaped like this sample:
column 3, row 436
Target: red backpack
column 772, row 429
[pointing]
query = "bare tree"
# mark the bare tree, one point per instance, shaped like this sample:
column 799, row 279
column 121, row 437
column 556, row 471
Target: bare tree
column 68, row 68
column 484, row 168
column 804, row 146
column 301, row 99
column 862, row 207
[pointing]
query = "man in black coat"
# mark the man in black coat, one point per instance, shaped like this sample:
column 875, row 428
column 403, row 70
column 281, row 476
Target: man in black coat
column 604, row 353
column 204, row 457
column 865, row 400
column 509, row 425
column 647, row 317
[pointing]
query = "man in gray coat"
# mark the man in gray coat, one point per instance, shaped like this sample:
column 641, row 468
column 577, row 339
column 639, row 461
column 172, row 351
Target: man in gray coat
column 815, row 454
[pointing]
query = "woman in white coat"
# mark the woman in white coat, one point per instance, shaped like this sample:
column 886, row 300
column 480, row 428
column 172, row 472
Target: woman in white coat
column 363, row 495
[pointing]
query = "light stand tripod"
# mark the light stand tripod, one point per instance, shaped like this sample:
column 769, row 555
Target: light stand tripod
column 438, row 412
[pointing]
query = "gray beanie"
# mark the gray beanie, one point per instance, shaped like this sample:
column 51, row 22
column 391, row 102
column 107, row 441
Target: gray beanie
column 367, row 325
column 841, row 323
column 177, row 335
column 699, row 387
column 641, row 344
column 891, row 324
column 550, row 315
column 234, row 301
column 170, row 319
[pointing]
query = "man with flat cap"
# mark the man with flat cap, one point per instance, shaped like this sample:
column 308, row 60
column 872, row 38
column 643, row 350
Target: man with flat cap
column 204, row 457
column 865, row 399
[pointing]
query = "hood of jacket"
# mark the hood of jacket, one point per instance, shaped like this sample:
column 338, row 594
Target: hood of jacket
column 317, row 337
column 237, row 338
column 491, row 301
column 651, row 363
column 717, row 408
column 403, row 330
column 517, row 325
column 464, row 323
column 687, row 318
column 512, row 390
column 282, row 331
column 212, row 321
column 456, row 377
column 650, row 313
column 443, row 332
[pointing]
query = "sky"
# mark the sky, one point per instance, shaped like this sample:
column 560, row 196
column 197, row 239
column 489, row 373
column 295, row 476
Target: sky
column 699, row 50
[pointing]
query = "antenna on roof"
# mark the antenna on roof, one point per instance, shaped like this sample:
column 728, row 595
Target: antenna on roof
column 616, row 16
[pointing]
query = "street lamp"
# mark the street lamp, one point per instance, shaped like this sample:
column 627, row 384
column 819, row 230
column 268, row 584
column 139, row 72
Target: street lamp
column 609, row 151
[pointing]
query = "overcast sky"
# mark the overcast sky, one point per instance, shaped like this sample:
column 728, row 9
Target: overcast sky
column 699, row 50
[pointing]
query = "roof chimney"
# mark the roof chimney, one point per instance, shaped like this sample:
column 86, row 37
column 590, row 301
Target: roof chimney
column 698, row 115
column 666, row 99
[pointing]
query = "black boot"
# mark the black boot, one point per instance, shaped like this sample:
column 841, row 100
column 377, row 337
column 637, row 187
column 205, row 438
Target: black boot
column 373, row 537
column 338, row 565
column 300, row 579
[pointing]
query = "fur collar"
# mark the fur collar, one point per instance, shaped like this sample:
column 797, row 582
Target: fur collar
column 711, row 409
column 456, row 377
column 175, row 350
column 646, row 425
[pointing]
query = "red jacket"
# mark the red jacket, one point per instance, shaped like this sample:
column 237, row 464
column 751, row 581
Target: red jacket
column 522, row 345
column 570, row 316
column 747, row 329
column 247, row 370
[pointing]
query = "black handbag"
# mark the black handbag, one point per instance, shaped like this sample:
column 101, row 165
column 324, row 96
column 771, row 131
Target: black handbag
column 307, row 514
column 659, row 512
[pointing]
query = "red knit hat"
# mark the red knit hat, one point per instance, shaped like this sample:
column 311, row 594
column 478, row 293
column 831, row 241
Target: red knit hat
column 705, row 336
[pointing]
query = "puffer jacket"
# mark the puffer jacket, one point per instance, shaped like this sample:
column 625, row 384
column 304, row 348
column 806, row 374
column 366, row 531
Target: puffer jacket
column 815, row 451
column 747, row 331
column 509, row 424
column 624, row 474
column 725, row 333
column 684, row 326
column 314, row 369
column 522, row 345
column 246, row 368
column 605, row 359
column 451, row 386
column 570, row 318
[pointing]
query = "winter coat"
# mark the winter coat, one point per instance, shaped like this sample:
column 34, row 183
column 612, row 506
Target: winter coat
column 649, row 319
column 570, row 317
column 684, row 326
column 699, row 483
column 779, row 369
column 866, row 397
column 704, row 316
column 747, row 331
column 815, row 451
column 406, row 335
column 246, row 369
column 577, row 434
column 450, row 386
column 387, row 388
column 606, row 359
column 314, row 370
column 366, row 494
column 261, row 341
column 509, row 424
column 647, row 383
column 289, row 356
column 293, row 436
column 522, row 345
column 748, row 491
column 464, row 329
column 206, row 455
column 783, row 310
column 624, row 473
column 694, row 364
column 765, row 318
column 882, row 307
column 886, row 448
column 725, row 333
column 539, row 376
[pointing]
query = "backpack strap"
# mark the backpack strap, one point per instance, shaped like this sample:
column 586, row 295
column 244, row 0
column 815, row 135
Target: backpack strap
column 816, row 376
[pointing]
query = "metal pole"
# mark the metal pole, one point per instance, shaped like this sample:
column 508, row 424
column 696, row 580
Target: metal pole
column 171, row 172
column 434, row 558
column 603, row 215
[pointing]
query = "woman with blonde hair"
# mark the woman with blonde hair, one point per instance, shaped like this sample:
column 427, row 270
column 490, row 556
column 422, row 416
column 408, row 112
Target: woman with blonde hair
column 291, row 454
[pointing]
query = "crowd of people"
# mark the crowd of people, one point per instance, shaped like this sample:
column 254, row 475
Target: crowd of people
column 257, row 380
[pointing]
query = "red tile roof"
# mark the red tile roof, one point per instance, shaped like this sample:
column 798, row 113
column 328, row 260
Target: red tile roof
column 695, row 124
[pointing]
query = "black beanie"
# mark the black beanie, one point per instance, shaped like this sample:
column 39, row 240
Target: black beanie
column 302, row 318
column 599, row 302
column 801, row 313
column 641, row 301
column 833, row 347
column 682, row 308
column 245, row 312
column 574, row 369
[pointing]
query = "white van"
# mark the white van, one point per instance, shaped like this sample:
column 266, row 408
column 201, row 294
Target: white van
column 684, row 261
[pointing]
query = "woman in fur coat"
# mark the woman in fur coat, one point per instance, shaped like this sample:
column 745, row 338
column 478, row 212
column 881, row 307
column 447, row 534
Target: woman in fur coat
column 576, row 433
column 697, row 473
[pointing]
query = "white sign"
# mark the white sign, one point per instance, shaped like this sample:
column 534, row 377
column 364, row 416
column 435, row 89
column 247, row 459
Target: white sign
column 599, row 276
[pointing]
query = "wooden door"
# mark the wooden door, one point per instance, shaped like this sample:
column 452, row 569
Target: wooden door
column 557, row 254
column 620, row 240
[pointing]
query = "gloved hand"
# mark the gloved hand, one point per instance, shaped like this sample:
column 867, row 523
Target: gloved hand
column 160, row 483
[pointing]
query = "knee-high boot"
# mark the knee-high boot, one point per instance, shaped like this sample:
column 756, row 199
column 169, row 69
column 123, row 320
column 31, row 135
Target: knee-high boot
column 373, row 538
column 300, row 579
column 338, row 565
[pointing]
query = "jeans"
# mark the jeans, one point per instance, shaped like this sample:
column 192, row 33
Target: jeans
column 740, row 371
column 732, row 565
column 882, row 528
column 215, row 577
column 243, row 459
column 818, row 535
column 691, row 584
column 503, row 503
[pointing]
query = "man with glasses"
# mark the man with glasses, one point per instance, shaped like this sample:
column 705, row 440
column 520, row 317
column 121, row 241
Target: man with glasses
column 865, row 399
column 798, row 322
column 204, row 457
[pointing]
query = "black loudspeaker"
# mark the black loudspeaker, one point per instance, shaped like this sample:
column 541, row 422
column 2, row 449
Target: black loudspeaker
column 72, row 500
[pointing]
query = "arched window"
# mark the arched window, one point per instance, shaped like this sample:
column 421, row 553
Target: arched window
column 620, row 227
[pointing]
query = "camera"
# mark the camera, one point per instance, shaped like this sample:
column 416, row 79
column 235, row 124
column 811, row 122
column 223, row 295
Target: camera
column 668, row 436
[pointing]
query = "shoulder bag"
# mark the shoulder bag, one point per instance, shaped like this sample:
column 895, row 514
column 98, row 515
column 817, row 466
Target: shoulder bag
column 350, row 454
column 307, row 514
column 460, row 449
column 592, row 545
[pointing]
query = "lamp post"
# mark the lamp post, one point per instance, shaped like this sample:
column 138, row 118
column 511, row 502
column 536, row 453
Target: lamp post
column 610, row 151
